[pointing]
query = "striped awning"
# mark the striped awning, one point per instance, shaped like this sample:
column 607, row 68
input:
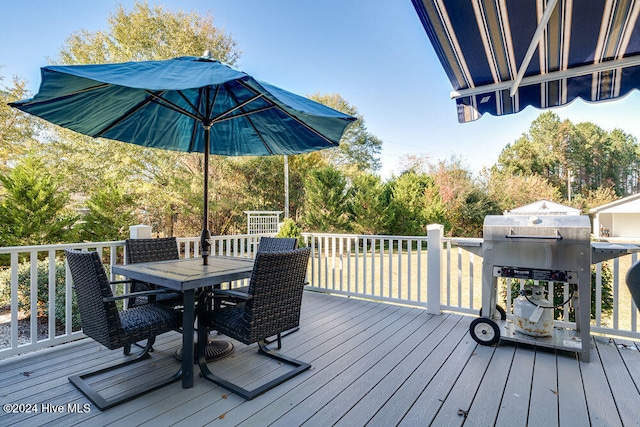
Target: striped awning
column 503, row 55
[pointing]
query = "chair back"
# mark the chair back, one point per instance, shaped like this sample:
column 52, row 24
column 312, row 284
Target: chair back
column 147, row 250
column 633, row 282
column 100, row 320
column 276, row 286
column 277, row 244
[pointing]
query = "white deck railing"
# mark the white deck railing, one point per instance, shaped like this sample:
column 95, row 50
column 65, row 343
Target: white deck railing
column 52, row 255
column 396, row 269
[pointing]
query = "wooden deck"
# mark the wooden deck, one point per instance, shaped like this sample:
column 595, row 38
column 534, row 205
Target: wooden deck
column 373, row 364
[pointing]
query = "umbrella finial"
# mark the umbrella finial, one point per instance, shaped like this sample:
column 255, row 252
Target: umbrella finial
column 207, row 54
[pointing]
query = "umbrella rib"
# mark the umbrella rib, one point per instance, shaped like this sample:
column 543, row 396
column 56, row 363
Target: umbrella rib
column 248, row 114
column 295, row 118
column 197, row 115
column 244, row 114
column 123, row 117
column 221, row 116
column 172, row 106
column 215, row 98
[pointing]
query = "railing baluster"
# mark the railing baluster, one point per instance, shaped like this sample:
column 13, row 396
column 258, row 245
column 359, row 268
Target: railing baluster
column 448, row 273
column 381, row 262
column 349, row 283
column 14, row 300
column 373, row 268
column 390, row 268
column 52, row 293
column 364, row 265
column 459, row 276
column 409, row 266
column 419, row 278
column 471, row 266
column 398, row 293
column 333, row 262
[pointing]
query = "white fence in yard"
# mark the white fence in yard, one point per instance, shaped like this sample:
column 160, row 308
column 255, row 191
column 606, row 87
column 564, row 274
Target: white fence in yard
column 430, row 271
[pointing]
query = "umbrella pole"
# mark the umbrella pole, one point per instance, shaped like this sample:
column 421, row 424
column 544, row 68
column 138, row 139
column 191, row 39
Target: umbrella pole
column 205, row 237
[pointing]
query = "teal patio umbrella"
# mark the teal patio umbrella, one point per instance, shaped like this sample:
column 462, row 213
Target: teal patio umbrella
column 190, row 104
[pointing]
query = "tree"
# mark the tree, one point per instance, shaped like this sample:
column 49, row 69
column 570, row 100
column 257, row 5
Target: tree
column 16, row 128
column 510, row 191
column 327, row 201
column 149, row 33
column 624, row 162
column 461, row 203
column 603, row 159
column 368, row 205
column 407, row 197
column 33, row 207
column 540, row 152
column 359, row 150
column 111, row 212
column 583, row 156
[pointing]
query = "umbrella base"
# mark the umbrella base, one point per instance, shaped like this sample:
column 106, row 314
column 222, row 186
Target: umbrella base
column 214, row 350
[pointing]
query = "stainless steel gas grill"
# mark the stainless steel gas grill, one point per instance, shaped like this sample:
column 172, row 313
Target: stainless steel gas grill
column 546, row 248
column 555, row 248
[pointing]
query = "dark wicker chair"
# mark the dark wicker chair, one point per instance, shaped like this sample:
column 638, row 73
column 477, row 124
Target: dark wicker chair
column 277, row 244
column 102, row 321
column 273, row 244
column 272, row 306
column 148, row 250
column 633, row 282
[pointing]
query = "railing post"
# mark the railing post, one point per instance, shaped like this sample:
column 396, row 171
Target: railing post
column 140, row 231
column 434, row 257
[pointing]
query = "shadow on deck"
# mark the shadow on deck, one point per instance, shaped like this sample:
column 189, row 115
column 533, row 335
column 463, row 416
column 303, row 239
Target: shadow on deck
column 372, row 364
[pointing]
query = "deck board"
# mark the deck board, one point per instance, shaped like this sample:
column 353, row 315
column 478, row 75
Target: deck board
column 571, row 400
column 487, row 401
column 514, row 406
column 396, row 407
column 600, row 403
column 373, row 364
column 623, row 389
column 543, row 403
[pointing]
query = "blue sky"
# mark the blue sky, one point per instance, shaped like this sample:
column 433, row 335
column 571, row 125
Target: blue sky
column 374, row 53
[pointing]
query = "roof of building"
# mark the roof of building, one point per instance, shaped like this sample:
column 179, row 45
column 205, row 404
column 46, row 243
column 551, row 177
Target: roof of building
column 543, row 207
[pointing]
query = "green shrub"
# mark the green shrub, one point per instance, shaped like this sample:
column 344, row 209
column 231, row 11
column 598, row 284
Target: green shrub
column 24, row 291
column 289, row 228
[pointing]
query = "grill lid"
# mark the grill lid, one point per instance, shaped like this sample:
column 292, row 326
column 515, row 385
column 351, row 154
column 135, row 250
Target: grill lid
column 562, row 229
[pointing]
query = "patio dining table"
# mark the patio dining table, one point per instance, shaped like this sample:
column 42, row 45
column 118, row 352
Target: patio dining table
column 187, row 275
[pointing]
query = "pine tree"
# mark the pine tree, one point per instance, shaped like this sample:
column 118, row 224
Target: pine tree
column 33, row 207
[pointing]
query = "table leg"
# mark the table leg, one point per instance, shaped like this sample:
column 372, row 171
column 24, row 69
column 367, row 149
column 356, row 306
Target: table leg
column 187, row 338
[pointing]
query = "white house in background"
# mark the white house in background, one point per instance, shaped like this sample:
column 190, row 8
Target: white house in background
column 619, row 219
column 543, row 207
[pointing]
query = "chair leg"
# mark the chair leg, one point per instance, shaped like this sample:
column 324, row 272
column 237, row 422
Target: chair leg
column 79, row 381
column 298, row 365
column 279, row 337
column 126, row 349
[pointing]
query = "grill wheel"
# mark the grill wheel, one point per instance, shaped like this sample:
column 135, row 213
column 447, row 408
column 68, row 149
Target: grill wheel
column 499, row 314
column 484, row 331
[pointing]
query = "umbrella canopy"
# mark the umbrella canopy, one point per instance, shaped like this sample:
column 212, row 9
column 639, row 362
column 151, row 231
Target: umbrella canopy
column 502, row 56
column 191, row 104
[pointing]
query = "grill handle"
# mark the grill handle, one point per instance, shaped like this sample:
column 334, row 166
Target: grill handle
column 533, row 237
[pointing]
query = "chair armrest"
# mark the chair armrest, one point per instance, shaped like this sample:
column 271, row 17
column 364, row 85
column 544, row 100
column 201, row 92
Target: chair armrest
column 230, row 293
column 117, row 282
column 138, row 294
